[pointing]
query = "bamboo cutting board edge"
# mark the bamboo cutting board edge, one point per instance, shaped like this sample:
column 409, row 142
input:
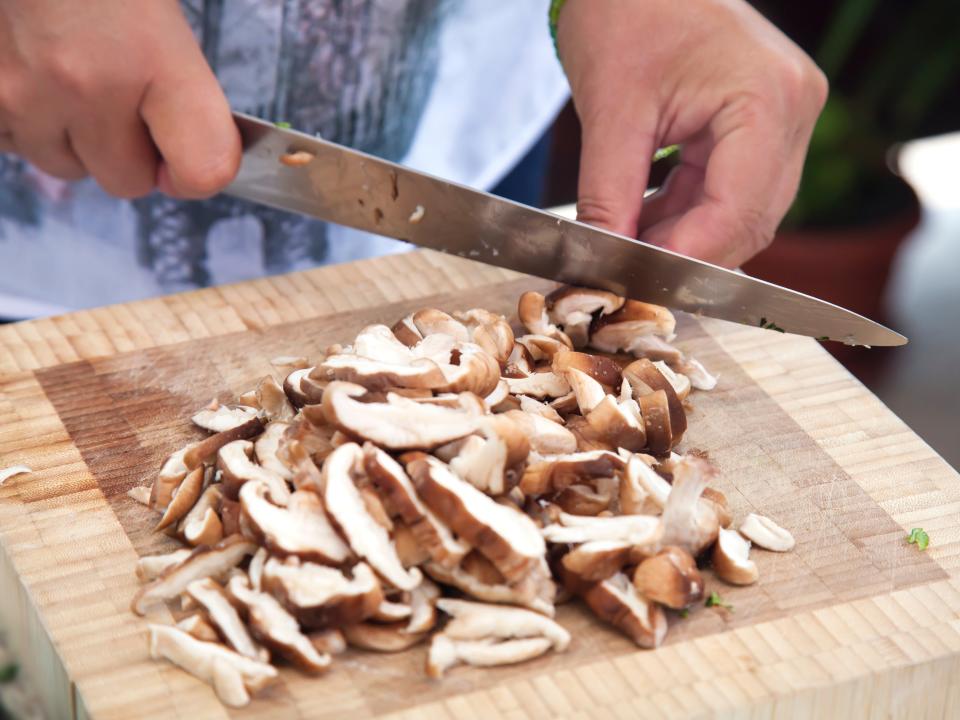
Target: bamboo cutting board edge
column 788, row 369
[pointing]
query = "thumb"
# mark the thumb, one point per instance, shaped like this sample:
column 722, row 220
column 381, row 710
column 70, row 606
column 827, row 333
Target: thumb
column 614, row 168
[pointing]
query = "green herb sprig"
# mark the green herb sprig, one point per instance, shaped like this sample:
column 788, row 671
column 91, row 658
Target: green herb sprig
column 716, row 601
column 919, row 537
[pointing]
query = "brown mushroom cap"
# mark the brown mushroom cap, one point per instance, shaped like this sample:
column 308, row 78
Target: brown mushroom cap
column 223, row 417
column 539, row 384
column 586, row 499
column 542, row 348
column 556, row 473
column 532, row 310
column 490, row 331
column 236, row 468
column 574, row 308
column 670, row 577
column 731, row 559
column 379, row 375
column 184, row 497
column 387, row 638
column 597, row 560
column 619, row 423
column 207, row 449
column 399, row 423
column 507, row 537
column 224, row 616
column 602, row 369
column 642, row 490
column 406, row 331
column 202, row 525
column 656, row 419
column 273, row 400
column 644, row 377
column 430, row 321
column 617, row 602
column 616, row 332
column 320, row 596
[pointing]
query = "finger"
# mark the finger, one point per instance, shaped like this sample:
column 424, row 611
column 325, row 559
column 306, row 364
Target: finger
column 190, row 122
column 47, row 147
column 117, row 151
column 681, row 190
column 614, row 169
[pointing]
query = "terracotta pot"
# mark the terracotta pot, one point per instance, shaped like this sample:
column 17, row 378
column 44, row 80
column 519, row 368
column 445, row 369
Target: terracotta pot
column 849, row 267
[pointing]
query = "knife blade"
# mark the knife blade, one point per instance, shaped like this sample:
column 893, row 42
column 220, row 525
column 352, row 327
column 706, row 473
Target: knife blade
column 343, row 186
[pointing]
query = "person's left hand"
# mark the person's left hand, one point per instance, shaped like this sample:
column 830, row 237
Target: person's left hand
column 712, row 75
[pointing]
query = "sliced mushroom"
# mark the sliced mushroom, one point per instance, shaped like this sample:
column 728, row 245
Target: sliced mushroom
column 230, row 518
column 656, row 419
column 223, row 417
column 430, row 321
column 475, row 371
column 645, row 378
column 544, row 436
column 202, row 525
column 150, row 567
column 617, row 602
column 387, row 638
column 320, row 596
column 670, row 578
column 300, row 529
column 224, row 616
column 236, row 467
column 233, row 676
column 140, row 494
column 687, row 522
column 520, row 363
column 330, row 642
column 375, row 374
column 445, row 652
column 587, row 438
column 255, row 570
column 184, row 498
column 731, row 559
column 423, row 607
column 640, row 531
column 198, row 626
column 273, row 626
column 168, row 480
column 267, row 447
column 207, row 449
column 406, row 331
column 273, row 400
column 556, row 473
column 389, row 611
column 602, row 369
column 532, row 310
column 764, row 532
column 491, row 464
column 490, row 331
column 618, row 331
column 399, row 423
column 539, row 384
column 500, row 394
column 294, row 389
column 597, row 560
column 476, row 621
column 345, row 504
column 402, row 501
column 642, row 490
column 678, row 381
column 574, row 308
column 532, row 406
column 718, row 501
column 375, row 508
column 542, row 349
column 507, row 537
column 619, row 423
column 202, row 563
column 587, row 499
column 694, row 369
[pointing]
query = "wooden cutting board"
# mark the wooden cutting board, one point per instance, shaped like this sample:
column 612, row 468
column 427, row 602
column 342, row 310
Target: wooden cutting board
column 854, row 622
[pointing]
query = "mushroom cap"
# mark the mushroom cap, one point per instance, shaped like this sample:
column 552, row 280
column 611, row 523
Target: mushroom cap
column 670, row 578
column 171, row 474
column 490, row 331
column 223, row 417
column 645, row 377
column 184, row 498
column 567, row 299
column 584, row 499
column 556, row 473
column 207, row 449
column 765, row 533
column 655, row 409
column 643, row 491
column 617, row 602
column 532, row 311
column 731, row 559
column 405, row 330
column 224, row 616
column 236, row 468
column 202, row 525
column 379, row 375
column 380, row 637
column 597, row 560
column 616, row 332
column 588, row 391
column 619, row 423
column 430, row 321
column 273, row 401
column 542, row 348
column 601, row 368
column 539, row 384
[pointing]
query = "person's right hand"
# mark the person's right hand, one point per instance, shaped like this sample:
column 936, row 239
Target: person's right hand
column 117, row 90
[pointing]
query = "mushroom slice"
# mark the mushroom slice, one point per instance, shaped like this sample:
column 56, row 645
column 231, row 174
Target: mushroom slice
column 255, row 570
column 687, row 522
column 694, row 369
column 184, row 497
column 331, row 642
column 202, row 525
column 294, row 389
column 491, row 464
column 423, row 607
column 267, row 446
column 378, row 342
column 507, row 537
column 380, row 375
column 617, row 602
column 223, row 417
column 731, row 559
column 168, row 480
column 545, row 436
column 389, row 611
column 445, row 652
column 532, row 406
column 556, row 473
column 207, row 449
column 619, row 331
column 202, row 563
column 406, row 331
column 475, row 371
column 430, row 321
column 224, row 616
column 574, row 308
column 619, row 423
column 542, row 349
column 320, row 596
column 646, row 377
column 476, row 621
column 493, row 592
column 490, row 331
column 399, row 423
column 302, row 528
column 272, row 625
column 766, row 533
column 599, row 367
column 641, row 531
column 587, row 500
column 236, row 467
column 532, row 310
column 387, row 638
column 273, row 400
column 520, row 363
column 656, row 419
column 718, row 501
column 499, row 395
column 643, row 491
column 233, row 676
column 597, row 560
column 670, row 578
column 13, row 471
column 140, row 494
column 588, row 391
column 401, row 500
column 345, row 504
column 199, row 627
column 289, row 362
column 678, row 381
column 539, row 384
column 655, row 348
column 151, row 567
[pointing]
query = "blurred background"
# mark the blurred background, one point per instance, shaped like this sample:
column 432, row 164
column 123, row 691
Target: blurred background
column 876, row 224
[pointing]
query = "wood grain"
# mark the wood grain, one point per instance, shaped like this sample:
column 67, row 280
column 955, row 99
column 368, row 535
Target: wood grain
column 853, row 620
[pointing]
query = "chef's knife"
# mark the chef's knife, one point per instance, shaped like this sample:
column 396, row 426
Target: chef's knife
column 292, row 171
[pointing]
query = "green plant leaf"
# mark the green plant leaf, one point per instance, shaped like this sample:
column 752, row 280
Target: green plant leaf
column 716, row 601
column 9, row 672
column 919, row 537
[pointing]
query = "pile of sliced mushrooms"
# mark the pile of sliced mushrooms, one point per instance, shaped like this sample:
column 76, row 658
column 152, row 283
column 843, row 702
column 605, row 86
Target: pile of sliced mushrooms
column 448, row 480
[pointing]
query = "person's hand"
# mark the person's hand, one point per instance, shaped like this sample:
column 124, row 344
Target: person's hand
column 712, row 75
column 117, row 90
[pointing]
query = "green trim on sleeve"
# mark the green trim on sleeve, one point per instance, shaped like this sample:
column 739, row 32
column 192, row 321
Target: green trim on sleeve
column 554, row 18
